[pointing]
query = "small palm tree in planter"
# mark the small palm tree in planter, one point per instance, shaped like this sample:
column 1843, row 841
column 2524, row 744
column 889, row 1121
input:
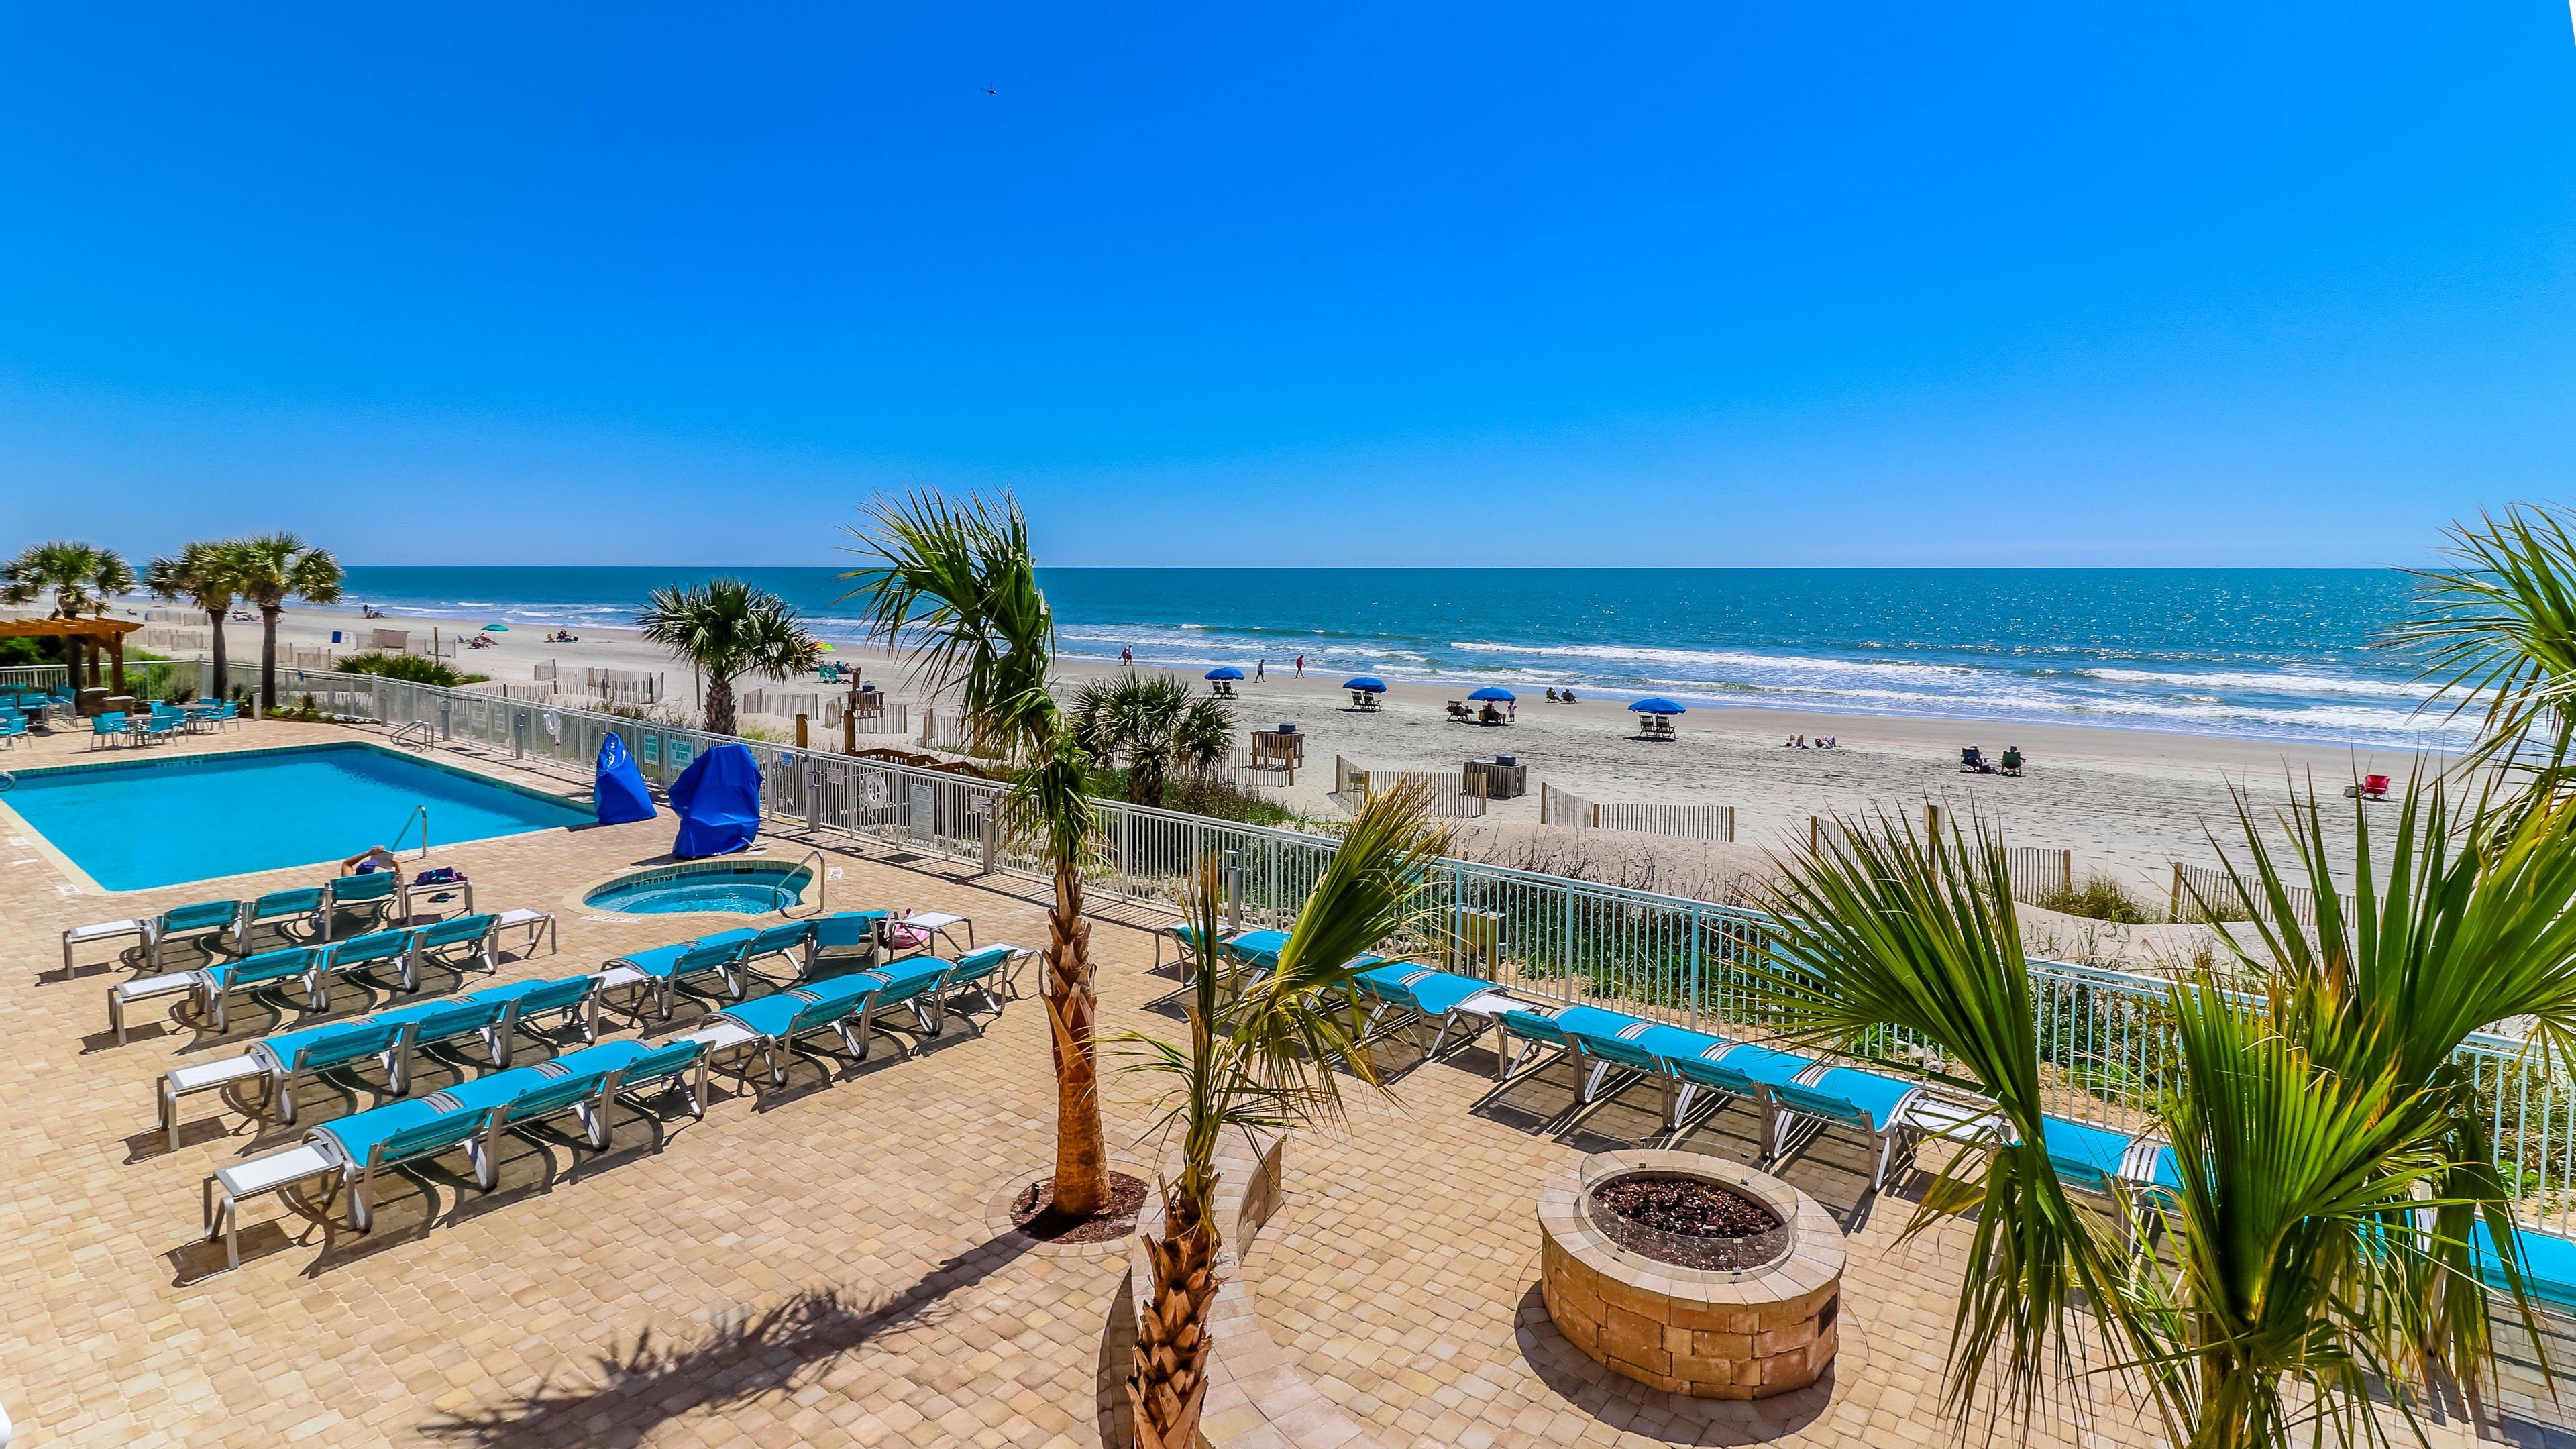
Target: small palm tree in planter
column 730, row 630
column 1266, row 1061
column 957, row 584
column 1155, row 726
column 2330, row 1154
column 269, row 570
column 199, row 574
column 82, row 577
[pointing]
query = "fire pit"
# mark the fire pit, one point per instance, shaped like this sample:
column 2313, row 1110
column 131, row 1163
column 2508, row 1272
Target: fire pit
column 1691, row 1274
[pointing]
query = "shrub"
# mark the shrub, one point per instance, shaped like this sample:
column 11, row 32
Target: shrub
column 409, row 667
column 2103, row 899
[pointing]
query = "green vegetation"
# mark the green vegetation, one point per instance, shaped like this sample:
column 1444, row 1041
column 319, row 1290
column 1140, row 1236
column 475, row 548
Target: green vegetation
column 1155, row 727
column 267, row 571
column 2103, row 899
column 729, row 630
column 411, row 667
column 201, row 574
column 81, row 577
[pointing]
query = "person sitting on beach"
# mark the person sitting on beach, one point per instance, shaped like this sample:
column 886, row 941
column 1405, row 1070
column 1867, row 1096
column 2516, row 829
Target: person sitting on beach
column 370, row 860
column 1569, row 694
column 1551, row 694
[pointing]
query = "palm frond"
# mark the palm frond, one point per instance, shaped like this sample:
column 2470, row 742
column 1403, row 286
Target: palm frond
column 2497, row 636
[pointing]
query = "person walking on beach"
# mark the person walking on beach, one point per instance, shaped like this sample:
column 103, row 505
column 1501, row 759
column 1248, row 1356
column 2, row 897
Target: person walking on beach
column 1260, row 669
column 1301, row 666
column 1127, row 656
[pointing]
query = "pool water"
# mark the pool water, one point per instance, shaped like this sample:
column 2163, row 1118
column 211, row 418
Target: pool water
column 750, row 888
column 136, row 824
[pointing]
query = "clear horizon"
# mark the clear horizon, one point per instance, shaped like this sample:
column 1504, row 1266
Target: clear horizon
column 1664, row 287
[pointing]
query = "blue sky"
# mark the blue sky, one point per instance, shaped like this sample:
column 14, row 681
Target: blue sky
column 1672, row 284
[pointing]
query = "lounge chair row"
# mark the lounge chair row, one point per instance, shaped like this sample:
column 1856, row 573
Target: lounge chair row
column 349, row 1153
column 459, row 940
column 228, row 926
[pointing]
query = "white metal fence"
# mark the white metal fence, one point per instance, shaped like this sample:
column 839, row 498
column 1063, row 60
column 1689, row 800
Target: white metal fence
column 2104, row 1035
column 1691, row 822
column 35, row 676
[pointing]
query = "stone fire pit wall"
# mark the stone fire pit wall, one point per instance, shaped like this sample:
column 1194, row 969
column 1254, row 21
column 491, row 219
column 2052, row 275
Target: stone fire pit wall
column 1712, row 1335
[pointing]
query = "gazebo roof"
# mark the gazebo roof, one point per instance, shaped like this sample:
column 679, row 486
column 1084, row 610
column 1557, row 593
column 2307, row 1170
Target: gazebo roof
column 57, row 628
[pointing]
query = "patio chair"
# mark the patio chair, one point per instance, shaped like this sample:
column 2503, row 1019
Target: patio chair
column 1184, row 938
column 299, row 903
column 1895, row 1114
column 356, row 954
column 663, row 967
column 458, row 941
column 844, row 1006
column 1423, row 994
column 13, row 727
column 1635, row 1050
column 843, row 937
column 106, row 729
column 425, row 1024
column 794, row 938
column 216, row 985
column 195, row 919
column 373, row 894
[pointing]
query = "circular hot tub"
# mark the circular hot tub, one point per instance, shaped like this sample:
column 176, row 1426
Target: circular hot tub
column 732, row 887
column 1691, row 1274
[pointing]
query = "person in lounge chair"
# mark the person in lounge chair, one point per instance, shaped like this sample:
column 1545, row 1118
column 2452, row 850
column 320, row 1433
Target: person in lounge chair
column 2012, row 759
column 1569, row 694
column 1551, row 694
column 370, row 860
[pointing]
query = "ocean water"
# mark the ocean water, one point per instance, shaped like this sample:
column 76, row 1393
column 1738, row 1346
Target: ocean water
column 2264, row 653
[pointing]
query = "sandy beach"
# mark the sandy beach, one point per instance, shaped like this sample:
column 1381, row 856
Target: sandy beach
column 2126, row 802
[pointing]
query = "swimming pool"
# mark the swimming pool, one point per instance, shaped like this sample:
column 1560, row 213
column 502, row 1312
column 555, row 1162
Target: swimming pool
column 741, row 888
column 136, row 824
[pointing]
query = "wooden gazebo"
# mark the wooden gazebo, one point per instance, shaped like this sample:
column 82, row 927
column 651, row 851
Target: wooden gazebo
column 93, row 641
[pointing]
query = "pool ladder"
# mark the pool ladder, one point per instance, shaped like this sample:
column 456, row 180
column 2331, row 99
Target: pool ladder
column 419, row 816
column 413, row 736
column 822, row 886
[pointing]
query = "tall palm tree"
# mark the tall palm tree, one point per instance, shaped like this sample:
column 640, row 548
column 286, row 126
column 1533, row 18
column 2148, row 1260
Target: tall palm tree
column 82, row 577
column 2329, row 1145
column 957, row 585
column 201, row 574
column 1155, row 725
column 1266, row 1061
column 269, row 569
column 730, row 630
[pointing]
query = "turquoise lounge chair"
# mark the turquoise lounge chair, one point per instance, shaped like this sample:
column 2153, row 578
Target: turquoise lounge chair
column 842, row 938
column 523, row 1002
column 372, row 894
column 297, row 1056
column 844, row 1006
column 644, row 1071
column 365, row 1144
column 1424, row 994
column 1731, row 1072
column 299, row 903
column 981, row 972
column 1636, row 1050
column 1895, row 1114
column 795, row 938
column 356, row 954
column 459, row 941
column 216, row 985
column 197, row 918
column 664, row 967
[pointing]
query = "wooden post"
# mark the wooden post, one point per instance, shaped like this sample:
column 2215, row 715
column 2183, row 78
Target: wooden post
column 2066, row 870
column 1932, row 821
column 116, row 661
column 850, row 731
column 2173, row 912
column 800, row 731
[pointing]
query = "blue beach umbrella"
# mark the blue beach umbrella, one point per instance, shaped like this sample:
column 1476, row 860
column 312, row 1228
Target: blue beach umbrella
column 1658, row 705
column 1496, row 693
column 496, row 628
column 1225, row 671
column 1365, row 684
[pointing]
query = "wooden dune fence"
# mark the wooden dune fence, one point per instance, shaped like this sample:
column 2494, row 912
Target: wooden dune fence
column 2205, row 893
column 1690, row 822
column 1353, row 784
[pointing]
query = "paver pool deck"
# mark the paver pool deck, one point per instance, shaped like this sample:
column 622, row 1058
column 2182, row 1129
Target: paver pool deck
column 817, row 1265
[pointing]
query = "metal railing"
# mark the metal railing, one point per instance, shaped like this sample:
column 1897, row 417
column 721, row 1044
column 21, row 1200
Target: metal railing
column 2105, row 1036
column 35, row 676
column 419, row 816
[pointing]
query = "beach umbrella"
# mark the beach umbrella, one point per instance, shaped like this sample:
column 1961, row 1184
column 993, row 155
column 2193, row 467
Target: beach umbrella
column 1365, row 684
column 496, row 628
column 1658, row 705
column 826, row 648
column 1496, row 693
column 1225, row 671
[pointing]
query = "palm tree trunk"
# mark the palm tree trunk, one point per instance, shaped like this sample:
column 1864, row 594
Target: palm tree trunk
column 268, row 658
column 719, row 704
column 1169, row 1385
column 222, row 686
column 1081, row 1149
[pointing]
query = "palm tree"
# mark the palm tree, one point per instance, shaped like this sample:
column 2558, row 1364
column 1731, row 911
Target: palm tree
column 1155, row 725
column 730, row 629
column 958, row 586
column 199, row 573
column 2498, row 636
column 81, row 576
column 2328, row 1140
column 1263, row 1063
column 268, row 570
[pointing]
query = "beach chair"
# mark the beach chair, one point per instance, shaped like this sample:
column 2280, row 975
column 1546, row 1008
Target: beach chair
column 1632, row 1050
column 1184, row 938
column 644, row 1071
column 522, row 1003
column 197, row 918
column 2011, row 763
column 106, row 729
column 777, row 942
column 664, row 967
column 458, row 941
column 1564, row 1035
column 842, row 938
column 216, row 985
column 358, row 953
column 1895, row 1114
column 984, row 973
column 844, row 1006
column 365, row 1145
column 1730, row 1072
column 372, row 894
column 425, row 1024
column 1972, row 761
column 13, row 727
column 1402, row 994
column 2372, row 787
column 290, row 1058
column 299, row 903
